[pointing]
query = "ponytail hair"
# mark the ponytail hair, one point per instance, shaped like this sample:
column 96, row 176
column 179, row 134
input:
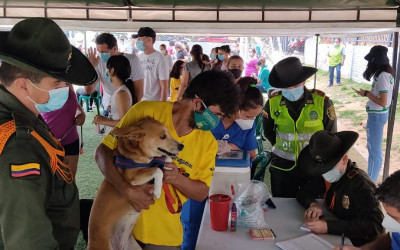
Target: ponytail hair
column 251, row 95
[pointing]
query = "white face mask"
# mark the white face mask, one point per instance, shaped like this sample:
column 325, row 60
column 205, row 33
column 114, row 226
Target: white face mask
column 333, row 175
column 244, row 124
column 390, row 224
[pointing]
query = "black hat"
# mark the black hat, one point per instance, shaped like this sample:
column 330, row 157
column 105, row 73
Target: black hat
column 289, row 72
column 40, row 46
column 325, row 151
column 378, row 55
column 145, row 31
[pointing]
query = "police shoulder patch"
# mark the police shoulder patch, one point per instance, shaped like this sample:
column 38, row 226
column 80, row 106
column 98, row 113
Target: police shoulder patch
column 24, row 170
column 265, row 114
column 331, row 113
column 352, row 173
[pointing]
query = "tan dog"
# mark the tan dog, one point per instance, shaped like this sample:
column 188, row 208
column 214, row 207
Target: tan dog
column 112, row 217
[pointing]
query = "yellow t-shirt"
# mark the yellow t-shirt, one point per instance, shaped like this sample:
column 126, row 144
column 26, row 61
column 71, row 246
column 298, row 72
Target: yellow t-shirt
column 157, row 225
column 175, row 83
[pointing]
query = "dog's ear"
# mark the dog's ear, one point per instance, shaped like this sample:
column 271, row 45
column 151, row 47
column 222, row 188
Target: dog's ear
column 132, row 132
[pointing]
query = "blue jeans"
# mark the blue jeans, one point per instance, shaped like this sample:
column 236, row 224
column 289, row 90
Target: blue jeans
column 191, row 215
column 331, row 73
column 375, row 124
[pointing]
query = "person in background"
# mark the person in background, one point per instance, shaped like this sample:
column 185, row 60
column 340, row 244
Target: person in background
column 192, row 69
column 118, row 72
column 262, row 79
column 122, row 47
column 336, row 55
column 236, row 49
column 389, row 194
column 235, row 67
column 175, row 77
column 379, row 101
column 251, row 64
column 290, row 117
column 181, row 53
column 63, row 124
column 347, row 190
column 258, row 52
column 215, row 62
column 134, row 50
column 154, row 65
column 81, row 91
column 185, row 45
column 168, row 57
column 107, row 46
column 210, row 96
column 223, row 55
column 171, row 48
column 205, row 59
column 39, row 204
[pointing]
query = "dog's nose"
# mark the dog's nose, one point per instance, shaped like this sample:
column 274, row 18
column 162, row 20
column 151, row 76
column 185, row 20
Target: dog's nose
column 180, row 146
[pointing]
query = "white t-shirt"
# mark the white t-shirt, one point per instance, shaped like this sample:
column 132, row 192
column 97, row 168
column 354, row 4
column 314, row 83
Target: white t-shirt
column 170, row 62
column 108, row 87
column 114, row 114
column 381, row 84
column 155, row 68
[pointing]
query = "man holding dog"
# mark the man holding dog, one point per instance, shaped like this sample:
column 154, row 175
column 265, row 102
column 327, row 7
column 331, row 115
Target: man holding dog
column 290, row 117
column 210, row 96
column 39, row 205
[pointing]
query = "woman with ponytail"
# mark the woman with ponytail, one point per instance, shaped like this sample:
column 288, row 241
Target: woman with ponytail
column 379, row 100
column 192, row 69
column 118, row 73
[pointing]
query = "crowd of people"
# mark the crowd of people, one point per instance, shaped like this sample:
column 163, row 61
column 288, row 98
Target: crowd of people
column 210, row 105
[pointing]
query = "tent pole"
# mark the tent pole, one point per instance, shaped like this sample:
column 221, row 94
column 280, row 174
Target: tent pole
column 392, row 110
column 316, row 59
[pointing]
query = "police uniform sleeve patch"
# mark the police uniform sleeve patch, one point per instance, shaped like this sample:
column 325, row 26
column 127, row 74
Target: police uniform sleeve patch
column 331, row 113
column 265, row 114
column 25, row 170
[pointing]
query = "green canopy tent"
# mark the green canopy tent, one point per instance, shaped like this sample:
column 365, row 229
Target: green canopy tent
column 222, row 17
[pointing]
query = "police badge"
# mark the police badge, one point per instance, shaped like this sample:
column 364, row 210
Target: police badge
column 345, row 202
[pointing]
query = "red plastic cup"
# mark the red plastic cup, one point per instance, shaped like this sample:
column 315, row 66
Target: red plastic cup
column 219, row 211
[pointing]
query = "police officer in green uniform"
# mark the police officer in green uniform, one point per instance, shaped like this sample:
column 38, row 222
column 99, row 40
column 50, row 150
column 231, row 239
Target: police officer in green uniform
column 348, row 191
column 290, row 118
column 39, row 204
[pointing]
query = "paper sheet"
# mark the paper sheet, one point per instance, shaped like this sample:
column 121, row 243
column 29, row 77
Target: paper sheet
column 306, row 242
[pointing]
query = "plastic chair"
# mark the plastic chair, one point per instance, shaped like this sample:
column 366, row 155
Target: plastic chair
column 96, row 99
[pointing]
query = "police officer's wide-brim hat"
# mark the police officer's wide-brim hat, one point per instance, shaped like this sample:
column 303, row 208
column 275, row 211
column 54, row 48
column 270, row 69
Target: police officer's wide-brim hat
column 324, row 151
column 289, row 72
column 378, row 55
column 40, row 46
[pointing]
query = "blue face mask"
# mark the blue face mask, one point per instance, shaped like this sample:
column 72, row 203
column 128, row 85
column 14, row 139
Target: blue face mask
column 212, row 56
column 259, row 64
column 58, row 97
column 107, row 76
column 221, row 57
column 207, row 120
column 293, row 94
column 140, row 45
column 104, row 56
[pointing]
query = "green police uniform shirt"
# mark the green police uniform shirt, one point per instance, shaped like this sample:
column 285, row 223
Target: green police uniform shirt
column 294, row 109
column 38, row 209
column 352, row 200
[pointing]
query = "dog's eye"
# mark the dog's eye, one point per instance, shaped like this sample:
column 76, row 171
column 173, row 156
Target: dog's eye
column 162, row 137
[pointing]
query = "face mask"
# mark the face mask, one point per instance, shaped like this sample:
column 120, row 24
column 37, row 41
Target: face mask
column 58, row 97
column 293, row 94
column 333, row 175
column 104, row 56
column 212, row 56
column 236, row 73
column 221, row 57
column 140, row 45
column 244, row 124
column 107, row 76
column 207, row 120
column 390, row 224
column 163, row 51
column 259, row 64
column 251, row 54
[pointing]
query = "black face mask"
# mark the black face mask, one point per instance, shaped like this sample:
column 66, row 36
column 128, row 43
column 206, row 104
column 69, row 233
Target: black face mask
column 236, row 73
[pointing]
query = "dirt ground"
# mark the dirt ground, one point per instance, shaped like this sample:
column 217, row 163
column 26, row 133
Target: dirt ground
column 351, row 115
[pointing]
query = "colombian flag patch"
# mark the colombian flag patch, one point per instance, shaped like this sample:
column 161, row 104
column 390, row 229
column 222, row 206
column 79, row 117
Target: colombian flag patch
column 265, row 114
column 25, row 170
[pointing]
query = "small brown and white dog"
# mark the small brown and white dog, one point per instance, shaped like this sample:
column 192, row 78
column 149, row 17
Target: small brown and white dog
column 112, row 218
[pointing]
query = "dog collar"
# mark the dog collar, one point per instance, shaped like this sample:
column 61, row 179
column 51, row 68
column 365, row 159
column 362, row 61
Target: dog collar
column 125, row 163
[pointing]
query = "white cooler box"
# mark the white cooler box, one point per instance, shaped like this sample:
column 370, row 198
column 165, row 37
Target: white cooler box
column 232, row 168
